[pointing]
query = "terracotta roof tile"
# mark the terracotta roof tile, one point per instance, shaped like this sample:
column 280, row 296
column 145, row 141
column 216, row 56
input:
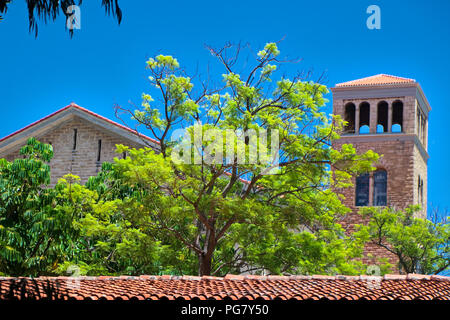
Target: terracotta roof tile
column 234, row 287
column 376, row 80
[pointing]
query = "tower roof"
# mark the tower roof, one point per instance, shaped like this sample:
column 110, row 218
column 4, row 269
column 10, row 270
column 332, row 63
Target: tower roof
column 376, row 80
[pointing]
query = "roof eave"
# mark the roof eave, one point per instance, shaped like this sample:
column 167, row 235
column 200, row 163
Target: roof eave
column 63, row 114
column 385, row 86
column 374, row 86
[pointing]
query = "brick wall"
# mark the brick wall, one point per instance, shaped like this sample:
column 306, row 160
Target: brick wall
column 398, row 161
column 420, row 169
column 401, row 159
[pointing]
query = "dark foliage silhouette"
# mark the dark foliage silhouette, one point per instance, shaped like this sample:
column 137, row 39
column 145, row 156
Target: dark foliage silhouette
column 47, row 10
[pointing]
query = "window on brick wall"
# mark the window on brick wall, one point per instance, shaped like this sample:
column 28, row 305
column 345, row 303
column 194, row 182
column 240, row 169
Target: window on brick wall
column 421, row 126
column 364, row 117
column 350, row 118
column 380, row 188
column 397, row 116
column 420, row 190
column 377, row 186
column 423, row 130
column 75, row 136
column 362, row 190
column 382, row 117
column 99, row 150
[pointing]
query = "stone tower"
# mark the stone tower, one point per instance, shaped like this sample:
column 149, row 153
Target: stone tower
column 389, row 115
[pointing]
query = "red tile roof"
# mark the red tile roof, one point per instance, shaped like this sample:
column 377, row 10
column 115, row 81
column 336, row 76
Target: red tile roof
column 377, row 80
column 234, row 287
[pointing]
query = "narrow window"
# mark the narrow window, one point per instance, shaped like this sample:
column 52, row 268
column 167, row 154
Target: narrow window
column 99, row 150
column 422, row 126
column 364, row 117
column 362, row 190
column 420, row 190
column 382, row 117
column 397, row 116
column 350, row 118
column 418, row 122
column 75, row 134
column 424, row 131
column 380, row 188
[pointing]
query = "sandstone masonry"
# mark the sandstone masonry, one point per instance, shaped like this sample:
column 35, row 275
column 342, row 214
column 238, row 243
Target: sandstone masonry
column 380, row 104
column 81, row 142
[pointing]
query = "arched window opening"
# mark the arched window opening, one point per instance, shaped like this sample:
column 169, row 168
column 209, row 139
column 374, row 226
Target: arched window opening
column 421, row 126
column 397, row 116
column 364, row 116
column 364, row 130
column 380, row 188
column 362, row 190
column 424, row 130
column 396, row 128
column 418, row 121
column 380, row 128
column 349, row 116
column 382, row 117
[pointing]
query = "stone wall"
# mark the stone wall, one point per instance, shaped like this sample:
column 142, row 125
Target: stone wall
column 397, row 158
column 401, row 159
column 420, row 168
column 83, row 160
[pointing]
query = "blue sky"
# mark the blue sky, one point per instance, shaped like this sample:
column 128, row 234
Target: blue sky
column 104, row 64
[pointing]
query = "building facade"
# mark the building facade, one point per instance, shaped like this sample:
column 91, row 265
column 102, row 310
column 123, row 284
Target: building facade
column 389, row 115
column 81, row 141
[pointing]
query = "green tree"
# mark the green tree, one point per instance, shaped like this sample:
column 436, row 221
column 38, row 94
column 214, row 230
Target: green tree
column 46, row 230
column 231, row 215
column 34, row 235
column 108, row 242
column 421, row 245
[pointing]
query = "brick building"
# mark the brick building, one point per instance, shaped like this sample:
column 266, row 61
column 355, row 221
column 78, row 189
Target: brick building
column 81, row 140
column 389, row 115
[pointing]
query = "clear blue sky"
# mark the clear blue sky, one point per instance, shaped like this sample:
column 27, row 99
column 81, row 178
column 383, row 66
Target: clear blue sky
column 104, row 63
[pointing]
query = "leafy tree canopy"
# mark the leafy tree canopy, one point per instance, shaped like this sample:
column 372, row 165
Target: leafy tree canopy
column 231, row 214
column 201, row 202
column 421, row 245
column 34, row 235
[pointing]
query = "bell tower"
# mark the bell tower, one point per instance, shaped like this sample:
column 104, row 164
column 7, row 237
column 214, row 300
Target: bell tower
column 389, row 115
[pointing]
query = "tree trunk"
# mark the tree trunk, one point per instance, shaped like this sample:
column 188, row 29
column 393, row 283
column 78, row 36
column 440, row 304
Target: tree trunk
column 204, row 268
column 205, row 258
